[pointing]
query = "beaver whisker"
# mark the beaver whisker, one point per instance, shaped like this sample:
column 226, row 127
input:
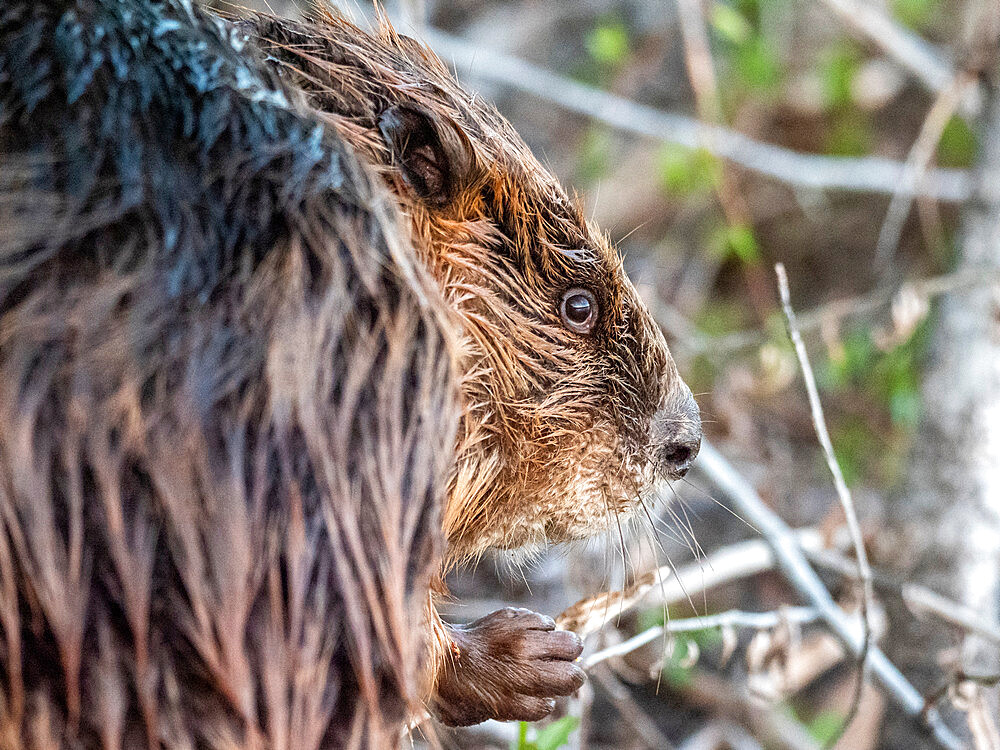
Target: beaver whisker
column 621, row 547
column 699, row 553
column 655, row 545
column 683, row 533
column 688, row 525
column 721, row 504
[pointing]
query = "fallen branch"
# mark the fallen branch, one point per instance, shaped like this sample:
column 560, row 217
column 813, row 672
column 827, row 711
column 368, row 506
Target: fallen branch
column 865, row 174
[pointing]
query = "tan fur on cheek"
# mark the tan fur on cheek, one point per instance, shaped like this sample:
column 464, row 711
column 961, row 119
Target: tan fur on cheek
column 574, row 487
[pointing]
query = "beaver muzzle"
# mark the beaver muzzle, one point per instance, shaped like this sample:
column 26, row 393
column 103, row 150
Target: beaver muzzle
column 675, row 433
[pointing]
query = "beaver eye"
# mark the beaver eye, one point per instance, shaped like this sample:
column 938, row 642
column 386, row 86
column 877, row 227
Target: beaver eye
column 578, row 310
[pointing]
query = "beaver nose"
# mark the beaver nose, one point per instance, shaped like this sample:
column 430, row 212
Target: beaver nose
column 675, row 433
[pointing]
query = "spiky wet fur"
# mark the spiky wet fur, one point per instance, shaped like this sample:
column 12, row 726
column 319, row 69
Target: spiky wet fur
column 555, row 436
column 226, row 398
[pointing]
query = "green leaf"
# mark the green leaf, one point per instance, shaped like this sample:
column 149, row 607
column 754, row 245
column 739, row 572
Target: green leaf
column 852, row 445
column 825, row 726
column 838, row 72
column 757, row 64
column 857, row 360
column 743, row 244
column 649, row 618
column 675, row 672
column 738, row 242
column 608, row 43
column 906, row 407
column 957, row 147
column 521, row 743
column 556, row 734
column 730, row 24
column 917, row 14
column 684, row 171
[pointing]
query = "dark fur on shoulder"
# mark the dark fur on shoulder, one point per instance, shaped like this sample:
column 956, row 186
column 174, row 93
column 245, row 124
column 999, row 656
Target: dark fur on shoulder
column 227, row 401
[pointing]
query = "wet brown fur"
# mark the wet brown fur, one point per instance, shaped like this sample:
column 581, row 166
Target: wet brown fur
column 234, row 401
column 227, row 401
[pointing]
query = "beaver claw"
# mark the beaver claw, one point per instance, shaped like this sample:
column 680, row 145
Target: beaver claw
column 509, row 665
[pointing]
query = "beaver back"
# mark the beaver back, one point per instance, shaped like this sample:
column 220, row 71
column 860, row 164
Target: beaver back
column 227, row 397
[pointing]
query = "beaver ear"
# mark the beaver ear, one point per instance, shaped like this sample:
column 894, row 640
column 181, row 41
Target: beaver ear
column 433, row 157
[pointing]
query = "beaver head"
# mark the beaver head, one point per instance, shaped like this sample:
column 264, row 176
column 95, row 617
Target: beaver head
column 573, row 404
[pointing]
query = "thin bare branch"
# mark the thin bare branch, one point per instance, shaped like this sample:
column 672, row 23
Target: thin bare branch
column 667, row 585
column 929, row 288
column 919, row 599
column 698, row 58
column 866, row 174
column 701, row 73
column 636, row 717
column 731, row 619
column 917, row 162
column 843, row 493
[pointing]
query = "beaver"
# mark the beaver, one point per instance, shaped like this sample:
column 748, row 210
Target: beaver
column 228, row 398
column 572, row 404
column 266, row 342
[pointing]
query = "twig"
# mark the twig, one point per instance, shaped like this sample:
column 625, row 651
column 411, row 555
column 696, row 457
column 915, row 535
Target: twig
column 667, row 586
column 920, row 156
column 921, row 599
column 701, row 73
column 843, row 493
column 803, row 578
column 731, row 619
column 865, row 174
column 906, row 48
column 698, row 58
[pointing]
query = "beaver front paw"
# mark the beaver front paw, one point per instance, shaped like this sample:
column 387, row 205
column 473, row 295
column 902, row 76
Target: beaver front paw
column 510, row 665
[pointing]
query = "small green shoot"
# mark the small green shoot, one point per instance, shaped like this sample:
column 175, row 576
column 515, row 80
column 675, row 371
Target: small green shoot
column 608, row 43
column 685, row 172
column 550, row 737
